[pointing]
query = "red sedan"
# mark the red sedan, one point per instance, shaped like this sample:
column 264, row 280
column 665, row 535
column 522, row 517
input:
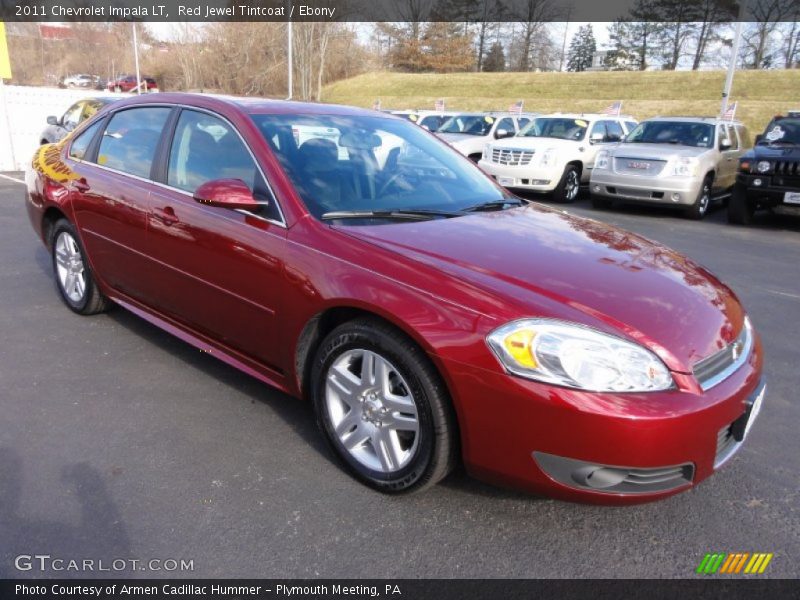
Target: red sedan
column 351, row 258
column 127, row 83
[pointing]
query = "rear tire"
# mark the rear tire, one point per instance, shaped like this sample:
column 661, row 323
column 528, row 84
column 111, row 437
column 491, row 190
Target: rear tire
column 740, row 209
column 383, row 408
column 699, row 209
column 569, row 186
column 74, row 279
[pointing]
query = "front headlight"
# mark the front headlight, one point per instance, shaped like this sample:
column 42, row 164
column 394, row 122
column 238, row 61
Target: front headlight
column 685, row 167
column 547, row 157
column 576, row 356
column 763, row 166
column 601, row 161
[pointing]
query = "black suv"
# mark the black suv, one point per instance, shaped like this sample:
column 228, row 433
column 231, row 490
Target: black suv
column 769, row 174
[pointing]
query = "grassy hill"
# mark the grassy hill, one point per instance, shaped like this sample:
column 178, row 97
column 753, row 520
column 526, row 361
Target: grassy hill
column 761, row 94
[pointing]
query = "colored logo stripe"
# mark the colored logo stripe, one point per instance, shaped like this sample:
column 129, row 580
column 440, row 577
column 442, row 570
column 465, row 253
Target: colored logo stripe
column 734, row 563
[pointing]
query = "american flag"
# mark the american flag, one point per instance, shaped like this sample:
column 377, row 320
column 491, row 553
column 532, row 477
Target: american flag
column 516, row 107
column 731, row 110
column 377, row 104
column 613, row 108
column 439, row 104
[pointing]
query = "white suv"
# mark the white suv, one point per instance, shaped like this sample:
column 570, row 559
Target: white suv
column 554, row 153
column 469, row 132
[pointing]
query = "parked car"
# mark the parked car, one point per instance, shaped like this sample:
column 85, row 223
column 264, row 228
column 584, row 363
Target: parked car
column 82, row 80
column 687, row 162
column 768, row 176
column 428, row 319
column 433, row 120
column 469, row 132
column 58, row 127
column 127, row 83
column 554, row 153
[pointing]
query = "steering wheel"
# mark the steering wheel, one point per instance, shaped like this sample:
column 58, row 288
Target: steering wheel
column 401, row 180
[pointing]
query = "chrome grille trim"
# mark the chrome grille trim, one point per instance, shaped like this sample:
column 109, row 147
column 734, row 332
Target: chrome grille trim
column 621, row 165
column 726, row 446
column 714, row 369
column 511, row 157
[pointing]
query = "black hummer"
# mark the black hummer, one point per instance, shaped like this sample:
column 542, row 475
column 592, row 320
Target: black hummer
column 769, row 173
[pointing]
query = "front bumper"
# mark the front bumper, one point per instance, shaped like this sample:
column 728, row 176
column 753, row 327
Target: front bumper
column 535, row 179
column 681, row 191
column 772, row 189
column 508, row 424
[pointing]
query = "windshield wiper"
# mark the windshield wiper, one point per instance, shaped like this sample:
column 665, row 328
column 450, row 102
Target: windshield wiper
column 495, row 205
column 400, row 214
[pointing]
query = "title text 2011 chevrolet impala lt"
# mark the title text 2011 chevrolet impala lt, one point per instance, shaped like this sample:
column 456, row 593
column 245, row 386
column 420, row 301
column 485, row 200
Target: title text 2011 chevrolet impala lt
column 431, row 317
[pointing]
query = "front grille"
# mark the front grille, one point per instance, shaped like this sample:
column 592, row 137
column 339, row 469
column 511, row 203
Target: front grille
column 726, row 445
column 511, row 157
column 638, row 166
column 634, row 192
column 787, row 167
column 714, row 369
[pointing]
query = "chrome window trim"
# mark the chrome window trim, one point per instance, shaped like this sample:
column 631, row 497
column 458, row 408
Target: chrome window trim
column 747, row 334
column 281, row 223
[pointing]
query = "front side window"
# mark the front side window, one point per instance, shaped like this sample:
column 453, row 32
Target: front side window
column 82, row 142
column 681, row 133
column 372, row 164
column 506, row 123
column 561, row 128
column 129, row 142
column 72, row 117
column 615, row 130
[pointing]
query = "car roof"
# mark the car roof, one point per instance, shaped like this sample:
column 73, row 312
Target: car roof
column 590, row 116
column 252, row 105
column 709, row 120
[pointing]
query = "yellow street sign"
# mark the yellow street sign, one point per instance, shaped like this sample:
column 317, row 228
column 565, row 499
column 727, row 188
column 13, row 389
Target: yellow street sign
column 5, row 62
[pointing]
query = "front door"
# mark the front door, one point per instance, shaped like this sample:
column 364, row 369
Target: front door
column 219, row 270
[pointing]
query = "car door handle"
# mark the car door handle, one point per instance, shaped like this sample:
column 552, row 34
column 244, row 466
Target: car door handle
column 81, row 185
column 166, row 215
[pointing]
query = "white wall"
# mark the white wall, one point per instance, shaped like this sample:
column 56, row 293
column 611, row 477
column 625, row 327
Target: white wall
column 28, row 109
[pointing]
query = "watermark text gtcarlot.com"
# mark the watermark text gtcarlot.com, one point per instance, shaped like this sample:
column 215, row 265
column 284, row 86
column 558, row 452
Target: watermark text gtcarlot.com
column 46, row 562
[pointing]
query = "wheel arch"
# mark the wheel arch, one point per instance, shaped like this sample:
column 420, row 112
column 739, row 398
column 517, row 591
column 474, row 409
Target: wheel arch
column 326, row 320
column 50, row 217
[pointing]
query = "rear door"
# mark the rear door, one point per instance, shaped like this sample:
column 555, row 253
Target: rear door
column 112, row 196
column 219, row 271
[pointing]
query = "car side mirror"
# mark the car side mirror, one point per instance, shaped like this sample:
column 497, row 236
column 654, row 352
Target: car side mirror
column 51, row 120
column 596, row 138
column 725, row 145
column 503, row 133
column 226, row 193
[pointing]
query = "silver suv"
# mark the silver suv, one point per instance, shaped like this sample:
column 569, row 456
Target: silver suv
column 675, row 161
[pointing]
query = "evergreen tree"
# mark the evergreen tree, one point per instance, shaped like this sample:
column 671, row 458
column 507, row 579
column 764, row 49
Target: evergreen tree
column 581, row 49
column 495, row 59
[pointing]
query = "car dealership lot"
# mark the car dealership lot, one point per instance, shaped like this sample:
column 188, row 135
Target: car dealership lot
column 119, row 441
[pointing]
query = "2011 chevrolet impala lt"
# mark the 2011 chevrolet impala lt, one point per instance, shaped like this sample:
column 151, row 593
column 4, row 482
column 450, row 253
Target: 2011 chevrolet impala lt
column 351, row 258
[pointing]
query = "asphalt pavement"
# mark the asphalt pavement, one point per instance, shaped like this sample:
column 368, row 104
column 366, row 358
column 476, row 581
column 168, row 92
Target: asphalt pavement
column 118, row 441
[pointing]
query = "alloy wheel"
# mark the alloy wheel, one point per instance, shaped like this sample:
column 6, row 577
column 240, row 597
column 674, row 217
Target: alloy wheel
column 69, row 267
column 372, row 411
column 572, row 185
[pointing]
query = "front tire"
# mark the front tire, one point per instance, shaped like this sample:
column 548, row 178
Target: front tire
column 569, row 186
column 740, row 209
column 74, row 279
column 383, row 408
column 698, row 210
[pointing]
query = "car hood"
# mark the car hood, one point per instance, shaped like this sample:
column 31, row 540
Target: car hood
column 657, row 151
column 537, row 261
column 765, row 152
column 454, row 138
column 535, row 143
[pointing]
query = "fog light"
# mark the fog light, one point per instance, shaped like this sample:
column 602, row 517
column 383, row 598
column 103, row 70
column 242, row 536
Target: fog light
column 757, row 182
column 676, row 197
column 597, row 188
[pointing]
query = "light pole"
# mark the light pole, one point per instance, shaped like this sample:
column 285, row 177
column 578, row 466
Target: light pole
column 726, row 92
column 289, row 58
column 136, row 58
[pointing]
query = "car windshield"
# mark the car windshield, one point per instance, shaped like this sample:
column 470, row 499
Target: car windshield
column 561, row 128
column 368, row 164
column 782, row 131
column 432, row 122
column 468, row 124
column 682, row 133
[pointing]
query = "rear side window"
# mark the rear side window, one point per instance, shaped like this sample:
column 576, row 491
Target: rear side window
column 206, row 148
column 129, row 142
column 82, row 142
